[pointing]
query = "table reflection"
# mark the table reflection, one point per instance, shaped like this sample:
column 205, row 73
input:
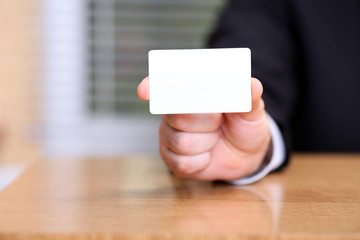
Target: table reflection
column 223, row 207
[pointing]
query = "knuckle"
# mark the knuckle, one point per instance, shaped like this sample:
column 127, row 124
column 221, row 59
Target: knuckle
column 180, row 142
column 182, row 167
column 179, row 165
column 218, row 119
column 177, row 121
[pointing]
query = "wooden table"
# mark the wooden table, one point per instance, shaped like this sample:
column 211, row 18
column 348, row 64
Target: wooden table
column 317, row 197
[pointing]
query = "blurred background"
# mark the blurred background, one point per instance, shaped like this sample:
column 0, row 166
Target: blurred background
column 69, row 71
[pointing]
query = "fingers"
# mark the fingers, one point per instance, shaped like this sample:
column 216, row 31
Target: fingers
column 184, row 165
column 143, row 89
column 196, row 123
column 256, row 90
column 186, row 152
column 187, row 143
column 257, row 102
column 258, row 107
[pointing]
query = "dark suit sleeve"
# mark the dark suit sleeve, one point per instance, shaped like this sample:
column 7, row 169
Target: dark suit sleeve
column 266, row 27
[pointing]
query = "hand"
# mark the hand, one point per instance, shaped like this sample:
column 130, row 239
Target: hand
column 214, row 146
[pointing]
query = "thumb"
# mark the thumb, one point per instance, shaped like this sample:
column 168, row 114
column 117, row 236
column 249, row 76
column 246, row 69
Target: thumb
column 249, row 131
column 257, row 110
column 143, row 89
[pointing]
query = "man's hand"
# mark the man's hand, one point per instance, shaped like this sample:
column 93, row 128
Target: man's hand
column 214, row 146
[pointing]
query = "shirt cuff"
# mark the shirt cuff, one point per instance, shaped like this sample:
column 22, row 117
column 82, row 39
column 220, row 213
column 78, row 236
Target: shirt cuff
column 277, row 158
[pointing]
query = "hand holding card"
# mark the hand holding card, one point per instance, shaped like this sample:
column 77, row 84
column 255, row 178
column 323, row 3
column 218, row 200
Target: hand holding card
column 213, row 146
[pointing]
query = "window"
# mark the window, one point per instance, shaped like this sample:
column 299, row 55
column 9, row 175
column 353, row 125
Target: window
column 96, row 54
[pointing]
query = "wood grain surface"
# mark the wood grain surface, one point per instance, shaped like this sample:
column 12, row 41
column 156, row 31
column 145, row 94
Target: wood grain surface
column 316, row 197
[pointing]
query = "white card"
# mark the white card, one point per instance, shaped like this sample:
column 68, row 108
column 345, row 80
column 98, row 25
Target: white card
column 200, row 81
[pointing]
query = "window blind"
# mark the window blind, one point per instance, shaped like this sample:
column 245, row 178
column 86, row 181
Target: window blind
column 121, row 33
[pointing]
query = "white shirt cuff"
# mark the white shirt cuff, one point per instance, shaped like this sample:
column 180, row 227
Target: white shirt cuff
column 278, row 156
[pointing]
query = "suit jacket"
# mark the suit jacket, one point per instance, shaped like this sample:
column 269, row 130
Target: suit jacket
column 307, row 55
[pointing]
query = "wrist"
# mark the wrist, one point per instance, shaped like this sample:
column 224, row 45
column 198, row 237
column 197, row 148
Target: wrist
column 265, row 160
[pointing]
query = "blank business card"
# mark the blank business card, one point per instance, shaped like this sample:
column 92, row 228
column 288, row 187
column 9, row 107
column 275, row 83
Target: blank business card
column 200, row 81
